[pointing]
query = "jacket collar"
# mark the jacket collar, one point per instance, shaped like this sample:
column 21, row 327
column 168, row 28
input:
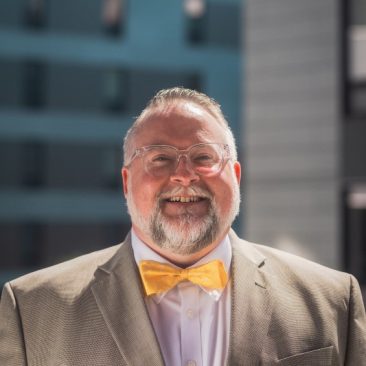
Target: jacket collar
column 251, row 306
column 119, row 294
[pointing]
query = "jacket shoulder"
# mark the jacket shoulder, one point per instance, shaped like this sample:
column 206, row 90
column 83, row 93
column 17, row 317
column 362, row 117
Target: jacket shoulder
column 292, row 270
column 69, row 277
column 296, row 262
column 299, row 272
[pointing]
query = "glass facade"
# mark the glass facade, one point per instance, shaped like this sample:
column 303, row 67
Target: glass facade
column 354, row 137
column 74, row 74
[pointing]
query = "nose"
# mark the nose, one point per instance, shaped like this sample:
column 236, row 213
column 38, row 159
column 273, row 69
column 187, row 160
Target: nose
column 183, row 174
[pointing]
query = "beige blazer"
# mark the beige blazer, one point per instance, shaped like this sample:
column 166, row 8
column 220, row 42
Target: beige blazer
column 90, row 311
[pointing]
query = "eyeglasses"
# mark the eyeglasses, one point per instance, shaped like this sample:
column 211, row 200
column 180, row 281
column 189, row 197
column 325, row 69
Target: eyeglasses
column 204, row 159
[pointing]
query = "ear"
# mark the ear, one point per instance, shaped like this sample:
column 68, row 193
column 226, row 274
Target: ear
column 124, row 174
column 237, row 171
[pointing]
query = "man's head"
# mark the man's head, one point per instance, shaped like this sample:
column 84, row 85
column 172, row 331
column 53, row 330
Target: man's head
column 181, row 202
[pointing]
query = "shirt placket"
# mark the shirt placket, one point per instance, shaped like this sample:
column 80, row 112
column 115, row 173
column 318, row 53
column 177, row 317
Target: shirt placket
column 191, row 346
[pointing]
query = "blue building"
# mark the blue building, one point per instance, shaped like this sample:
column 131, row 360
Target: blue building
column 73, row 75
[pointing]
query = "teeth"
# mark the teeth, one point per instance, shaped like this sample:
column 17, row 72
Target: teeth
column 184, row 199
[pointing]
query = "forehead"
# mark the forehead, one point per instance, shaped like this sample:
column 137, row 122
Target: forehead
column 180, row 124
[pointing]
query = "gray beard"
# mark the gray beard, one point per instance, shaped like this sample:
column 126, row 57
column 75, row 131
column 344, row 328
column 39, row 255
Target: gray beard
column 187, row 234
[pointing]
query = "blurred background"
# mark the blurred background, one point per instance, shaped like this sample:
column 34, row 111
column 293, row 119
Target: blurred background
column 291, row 79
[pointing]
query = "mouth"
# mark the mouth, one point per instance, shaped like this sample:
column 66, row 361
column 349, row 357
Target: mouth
column 185, row 199
column 175, row 205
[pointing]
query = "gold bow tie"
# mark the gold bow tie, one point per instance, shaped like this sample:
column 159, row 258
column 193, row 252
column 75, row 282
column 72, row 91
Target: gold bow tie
column 158, row 277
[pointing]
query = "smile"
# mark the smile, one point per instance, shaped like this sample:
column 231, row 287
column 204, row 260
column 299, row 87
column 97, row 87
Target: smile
column 185, row 199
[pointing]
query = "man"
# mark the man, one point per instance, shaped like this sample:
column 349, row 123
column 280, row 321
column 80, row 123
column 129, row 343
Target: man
column 183, row 289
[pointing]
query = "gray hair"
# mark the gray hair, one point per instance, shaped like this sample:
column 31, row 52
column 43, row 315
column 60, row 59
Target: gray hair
column 166, row 96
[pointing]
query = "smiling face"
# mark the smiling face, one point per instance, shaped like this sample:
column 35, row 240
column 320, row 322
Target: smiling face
column 182, row 215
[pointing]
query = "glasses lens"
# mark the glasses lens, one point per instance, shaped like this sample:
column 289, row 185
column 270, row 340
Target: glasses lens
column 160, row 160
column 206, row 159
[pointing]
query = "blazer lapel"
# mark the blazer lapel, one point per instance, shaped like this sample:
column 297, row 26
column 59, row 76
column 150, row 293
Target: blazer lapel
column 119, row 295
column 251, row 304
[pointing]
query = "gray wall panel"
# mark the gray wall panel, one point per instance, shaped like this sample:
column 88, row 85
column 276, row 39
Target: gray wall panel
column 291, row 139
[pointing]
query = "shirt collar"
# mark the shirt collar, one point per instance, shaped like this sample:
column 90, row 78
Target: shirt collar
column 222, row 252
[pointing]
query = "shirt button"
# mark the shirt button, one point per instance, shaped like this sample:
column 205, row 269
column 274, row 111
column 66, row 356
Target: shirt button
column 190, row 315
column 191, row 363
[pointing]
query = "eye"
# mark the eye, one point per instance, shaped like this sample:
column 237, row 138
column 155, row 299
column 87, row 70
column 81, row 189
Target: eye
column 203, row 157
column 161, row 158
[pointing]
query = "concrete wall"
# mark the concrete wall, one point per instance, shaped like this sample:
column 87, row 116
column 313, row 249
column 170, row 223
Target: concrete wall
column 291, row 141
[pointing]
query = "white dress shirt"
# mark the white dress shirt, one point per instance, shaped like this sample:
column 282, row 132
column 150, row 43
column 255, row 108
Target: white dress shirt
column 192, row 324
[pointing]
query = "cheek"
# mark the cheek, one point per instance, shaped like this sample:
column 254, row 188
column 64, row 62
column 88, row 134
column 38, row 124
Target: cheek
column 224, row 199
column 144, row 191
column 224, row 192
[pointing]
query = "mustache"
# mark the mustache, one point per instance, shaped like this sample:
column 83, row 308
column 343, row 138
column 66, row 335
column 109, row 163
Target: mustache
column 185, row 191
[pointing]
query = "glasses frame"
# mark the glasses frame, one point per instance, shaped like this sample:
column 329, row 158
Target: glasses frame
column 139, row 152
